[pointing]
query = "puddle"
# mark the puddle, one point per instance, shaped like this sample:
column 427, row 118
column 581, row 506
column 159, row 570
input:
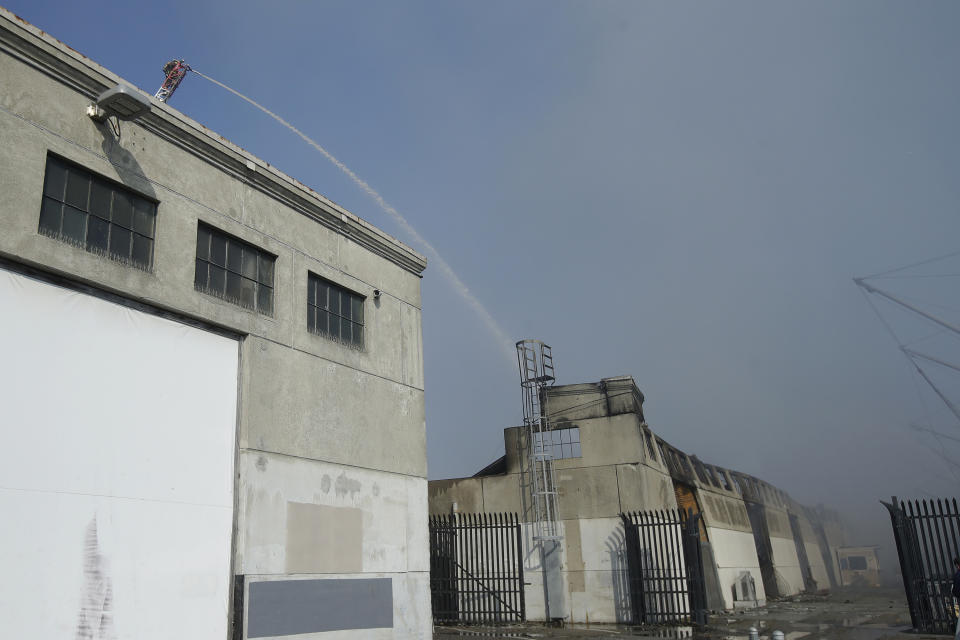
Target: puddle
column 488, row 633
column 667, row 632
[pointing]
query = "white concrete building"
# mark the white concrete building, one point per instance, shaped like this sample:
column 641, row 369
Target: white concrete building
column 211, row 391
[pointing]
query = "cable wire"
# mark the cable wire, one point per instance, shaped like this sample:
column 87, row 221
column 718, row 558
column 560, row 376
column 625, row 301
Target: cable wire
column 915, row 264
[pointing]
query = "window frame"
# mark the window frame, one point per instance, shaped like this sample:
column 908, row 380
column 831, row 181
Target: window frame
column 248, row 276
column 131, row 219
column 334, row 313
column 561, row 444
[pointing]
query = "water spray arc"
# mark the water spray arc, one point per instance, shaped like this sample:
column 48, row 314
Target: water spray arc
column 174, row 77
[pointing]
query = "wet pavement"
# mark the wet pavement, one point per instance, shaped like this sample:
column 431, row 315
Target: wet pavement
column 874, row 614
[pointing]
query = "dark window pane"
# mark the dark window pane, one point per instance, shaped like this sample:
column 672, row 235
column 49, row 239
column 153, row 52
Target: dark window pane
column 323, row 322
column 233, row 286
column 74, row 224
column 265, row 300
column 78, row 186
column 334, row 325
column 234, row 256
column 265, row 273
column 575, row 450
column 98, row 231
column 249, row 269
column 203, row 243
column 334, row 305
column 50, row 214
column 142, row 247
column 119, row 241
column 122, row 210
column 323, row 295
column 248, row 293
column 311, row 318
column 200, row 275
column 56, row 180
column 311, row 291
column 358, row 335
column 218, row 250
column 345, row 332
column 144, row 213
column 218, row 279
column 357, row 309
column 100, row 195
column 345, row 308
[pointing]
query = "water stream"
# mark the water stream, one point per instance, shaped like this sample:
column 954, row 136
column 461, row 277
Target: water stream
column 504, row 344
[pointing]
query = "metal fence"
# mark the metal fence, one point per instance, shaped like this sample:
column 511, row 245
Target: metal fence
column 665, row 565
column 927, row 534
column 476, row 568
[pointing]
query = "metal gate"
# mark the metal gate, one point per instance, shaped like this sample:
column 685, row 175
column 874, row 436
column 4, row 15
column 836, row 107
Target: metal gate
column 927, row 535
column 665, row 565
column 476, row 568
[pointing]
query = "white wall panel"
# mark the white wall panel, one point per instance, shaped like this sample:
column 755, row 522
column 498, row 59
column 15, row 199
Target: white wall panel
column 117, row 487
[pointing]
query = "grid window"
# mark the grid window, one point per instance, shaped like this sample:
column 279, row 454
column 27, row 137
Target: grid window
column 649, row 439
column 724, row 478
column 334, row 312
column 701, row 472
column 663, row 455
column 559, row 443
column 736, row 484
column 234, row 270
column 712, row 474
column 91, row 212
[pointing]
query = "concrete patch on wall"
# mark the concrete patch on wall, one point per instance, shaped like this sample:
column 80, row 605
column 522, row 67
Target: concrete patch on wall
column 345, row 485
column 322, row 539
column 291, row 607
column 575, row 567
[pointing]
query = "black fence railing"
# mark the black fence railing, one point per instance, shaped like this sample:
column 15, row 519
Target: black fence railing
column 927, row 534
column 476, row 568
column 665, row 564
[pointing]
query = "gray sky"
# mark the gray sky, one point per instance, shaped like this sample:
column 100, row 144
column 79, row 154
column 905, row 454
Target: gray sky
column 677, row 191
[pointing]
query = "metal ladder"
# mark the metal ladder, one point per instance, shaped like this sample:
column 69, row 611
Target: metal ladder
column 536, row 372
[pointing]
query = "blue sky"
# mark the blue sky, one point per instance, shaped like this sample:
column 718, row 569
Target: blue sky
column 677, row 191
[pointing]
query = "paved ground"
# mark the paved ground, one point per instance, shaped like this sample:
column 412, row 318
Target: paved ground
column 879, row 614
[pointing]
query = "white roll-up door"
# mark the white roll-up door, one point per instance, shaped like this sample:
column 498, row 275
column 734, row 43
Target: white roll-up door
column 116, row 481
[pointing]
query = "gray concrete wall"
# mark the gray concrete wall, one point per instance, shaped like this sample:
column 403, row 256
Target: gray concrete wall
column 624, row 467
column 833, row 534
column 811, row 543
column 332, row 458
column 617, row 471
column 787, row 574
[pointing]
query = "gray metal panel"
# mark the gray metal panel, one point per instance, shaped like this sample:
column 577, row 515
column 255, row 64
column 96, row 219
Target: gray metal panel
column 289, row 607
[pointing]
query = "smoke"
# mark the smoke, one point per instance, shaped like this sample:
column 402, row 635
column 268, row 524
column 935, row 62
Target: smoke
column 504, row 342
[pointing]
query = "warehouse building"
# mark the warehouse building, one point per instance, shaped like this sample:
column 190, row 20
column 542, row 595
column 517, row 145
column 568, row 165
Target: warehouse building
column 212, row 381
column 607, row 462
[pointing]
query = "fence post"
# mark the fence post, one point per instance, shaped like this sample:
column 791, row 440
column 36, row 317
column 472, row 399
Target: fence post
column 694, row 560
column 897, row 519
column 521, row 581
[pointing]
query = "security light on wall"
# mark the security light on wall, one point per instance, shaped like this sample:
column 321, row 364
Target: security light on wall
column 122, row 101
